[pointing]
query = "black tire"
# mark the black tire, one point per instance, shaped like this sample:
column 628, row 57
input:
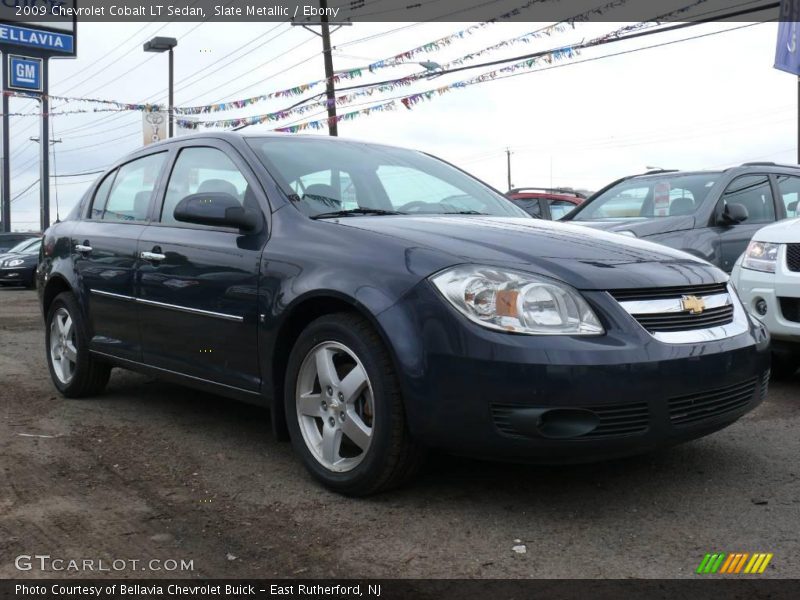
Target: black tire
column 90, row 374
column 393, row 456
column 784, row 366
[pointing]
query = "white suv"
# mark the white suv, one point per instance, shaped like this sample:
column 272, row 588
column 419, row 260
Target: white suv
column 767, row 277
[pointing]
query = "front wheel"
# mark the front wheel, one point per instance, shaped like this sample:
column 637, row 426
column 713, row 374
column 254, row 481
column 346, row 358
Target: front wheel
column 74, row 371
column 344, row 408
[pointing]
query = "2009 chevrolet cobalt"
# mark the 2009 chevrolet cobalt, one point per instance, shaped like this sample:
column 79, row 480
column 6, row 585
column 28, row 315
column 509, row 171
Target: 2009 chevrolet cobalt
column 381, row 301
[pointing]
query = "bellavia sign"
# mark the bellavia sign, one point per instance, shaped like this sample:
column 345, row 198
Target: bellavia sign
column 32, row 32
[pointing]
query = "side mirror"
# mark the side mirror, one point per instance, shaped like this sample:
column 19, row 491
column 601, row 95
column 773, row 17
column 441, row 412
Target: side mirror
column 735, row 213
column 217, row 209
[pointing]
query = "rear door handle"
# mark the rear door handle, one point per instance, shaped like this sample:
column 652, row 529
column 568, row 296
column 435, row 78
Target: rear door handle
column 152, row 256
column 82, row 248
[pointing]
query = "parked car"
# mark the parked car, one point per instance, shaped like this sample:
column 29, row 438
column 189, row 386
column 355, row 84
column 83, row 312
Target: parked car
column 435, row 314
column 767, row 277
column 711, row 214
column 18, row 265
column 546, row 203
column 9, row 240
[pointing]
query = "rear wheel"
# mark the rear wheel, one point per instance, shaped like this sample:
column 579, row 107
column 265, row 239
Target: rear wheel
column 74, row 371
column 344, row 408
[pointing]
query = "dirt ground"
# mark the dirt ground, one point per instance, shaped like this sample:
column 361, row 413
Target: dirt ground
column 151, row 470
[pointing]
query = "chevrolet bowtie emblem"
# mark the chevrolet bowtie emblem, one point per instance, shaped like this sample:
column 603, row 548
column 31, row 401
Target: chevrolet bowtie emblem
column 693, row 304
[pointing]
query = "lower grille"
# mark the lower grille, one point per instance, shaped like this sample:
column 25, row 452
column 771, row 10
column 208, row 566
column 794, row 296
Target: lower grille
column 691, row 408
column 614, row 420
column 790, row 309
column 793, row 257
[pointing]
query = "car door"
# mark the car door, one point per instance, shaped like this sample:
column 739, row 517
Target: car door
column 754, row 192
column 104, row 246
column 198, row 284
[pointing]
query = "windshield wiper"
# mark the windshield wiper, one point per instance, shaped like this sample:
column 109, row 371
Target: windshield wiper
column 462, row 212
column 353, row 212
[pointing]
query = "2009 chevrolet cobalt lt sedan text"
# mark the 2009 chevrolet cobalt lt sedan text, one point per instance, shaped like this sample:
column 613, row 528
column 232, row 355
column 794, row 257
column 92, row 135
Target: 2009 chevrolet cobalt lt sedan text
column 381, row 301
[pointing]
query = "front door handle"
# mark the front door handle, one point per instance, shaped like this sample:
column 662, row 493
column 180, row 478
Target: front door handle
column 83, row 248
column 152, row 256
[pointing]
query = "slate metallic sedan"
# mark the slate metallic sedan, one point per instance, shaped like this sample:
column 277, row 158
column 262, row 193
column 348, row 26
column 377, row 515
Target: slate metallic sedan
column 18, row 265
column 381, row 302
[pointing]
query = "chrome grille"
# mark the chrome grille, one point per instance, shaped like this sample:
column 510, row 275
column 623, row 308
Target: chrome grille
column 686, row 321
column 669, row 292
column 667, row 312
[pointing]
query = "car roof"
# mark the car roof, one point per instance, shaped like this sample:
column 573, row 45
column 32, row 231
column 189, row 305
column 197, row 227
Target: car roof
column 236, row 136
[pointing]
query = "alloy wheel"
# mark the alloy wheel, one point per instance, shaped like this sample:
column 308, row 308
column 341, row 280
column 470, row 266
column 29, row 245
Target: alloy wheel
column 335, row 406
column 63, row 352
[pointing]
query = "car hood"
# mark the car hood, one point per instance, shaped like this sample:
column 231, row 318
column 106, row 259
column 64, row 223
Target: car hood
column 13, row 255
column 782, row 232
column 584, row 258
column 642, row 227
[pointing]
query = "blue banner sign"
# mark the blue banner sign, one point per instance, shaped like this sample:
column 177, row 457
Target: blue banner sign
column 36, row 38
column 787, row 53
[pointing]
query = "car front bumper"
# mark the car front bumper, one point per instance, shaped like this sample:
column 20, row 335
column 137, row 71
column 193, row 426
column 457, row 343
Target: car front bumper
column 473, row 391
column 753, row 286
column 16, row 275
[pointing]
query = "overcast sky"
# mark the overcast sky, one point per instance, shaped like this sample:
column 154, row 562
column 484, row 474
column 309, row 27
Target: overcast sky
column 704, row 103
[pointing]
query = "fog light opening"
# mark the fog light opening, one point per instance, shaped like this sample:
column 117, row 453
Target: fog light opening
column 761, row 306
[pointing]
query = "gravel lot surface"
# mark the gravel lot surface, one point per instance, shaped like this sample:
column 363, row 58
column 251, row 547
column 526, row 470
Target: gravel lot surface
column 151, row 470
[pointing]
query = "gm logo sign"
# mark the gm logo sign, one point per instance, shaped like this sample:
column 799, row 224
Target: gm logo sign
column 24, row 73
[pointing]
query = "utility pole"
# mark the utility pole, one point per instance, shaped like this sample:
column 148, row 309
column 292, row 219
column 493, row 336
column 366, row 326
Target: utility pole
column 44, row 150
column 508, row 165
column 327, row 55
column 330, row 91
column 5, row 192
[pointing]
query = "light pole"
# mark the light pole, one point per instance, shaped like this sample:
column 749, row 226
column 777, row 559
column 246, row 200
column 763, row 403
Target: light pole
column 166, row 44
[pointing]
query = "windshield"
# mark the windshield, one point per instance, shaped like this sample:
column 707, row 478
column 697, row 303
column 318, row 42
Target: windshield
column 28, row 246
column 325, row 177
column 650, row 197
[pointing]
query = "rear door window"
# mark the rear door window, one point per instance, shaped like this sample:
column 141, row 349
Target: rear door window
column 101, row 196
column 559, row 208
column 789, row 188
column 129, row 199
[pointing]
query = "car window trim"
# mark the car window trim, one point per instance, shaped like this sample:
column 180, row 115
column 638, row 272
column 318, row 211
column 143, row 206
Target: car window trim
column 113, row 176
column 238, row 161
column 719, row 210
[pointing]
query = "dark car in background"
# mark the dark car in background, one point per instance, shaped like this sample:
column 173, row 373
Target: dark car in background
column 711, row 214
column 433, row 314
column 9, row 240
column 546, row 203
column 18, row 265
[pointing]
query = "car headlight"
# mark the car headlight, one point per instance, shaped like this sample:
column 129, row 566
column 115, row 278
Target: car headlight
column 15, row 263
column 516, row 302
column 761, row 256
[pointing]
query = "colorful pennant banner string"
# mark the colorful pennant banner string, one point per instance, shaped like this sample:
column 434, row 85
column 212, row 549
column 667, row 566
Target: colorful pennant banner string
column 398, row 59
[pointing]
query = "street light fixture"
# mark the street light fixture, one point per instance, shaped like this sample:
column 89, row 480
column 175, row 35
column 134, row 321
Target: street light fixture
column 166, row 44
